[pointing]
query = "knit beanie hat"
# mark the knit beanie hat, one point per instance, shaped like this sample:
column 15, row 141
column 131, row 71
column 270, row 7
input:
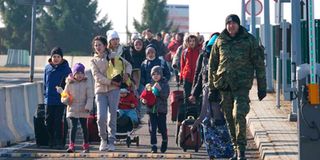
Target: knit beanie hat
column 123, row 88
column 151, row 46
column 233, row 18
column 134, row 36
column 112, row 34
column 157, row 69
column 56, row 50
column 78, row 68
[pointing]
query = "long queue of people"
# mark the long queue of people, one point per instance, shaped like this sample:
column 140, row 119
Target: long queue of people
column 219, row 70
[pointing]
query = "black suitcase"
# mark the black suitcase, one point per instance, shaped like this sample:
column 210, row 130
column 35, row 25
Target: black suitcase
column 40, row 129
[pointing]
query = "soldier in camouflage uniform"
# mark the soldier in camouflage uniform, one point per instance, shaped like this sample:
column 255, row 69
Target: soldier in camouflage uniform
column 234, row 59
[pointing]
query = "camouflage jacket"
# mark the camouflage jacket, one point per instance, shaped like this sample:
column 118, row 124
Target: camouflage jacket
column 234, row 60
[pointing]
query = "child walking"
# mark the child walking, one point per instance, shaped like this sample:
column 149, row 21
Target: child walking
column 79, row 105
column 55, row 74
column 157, row 113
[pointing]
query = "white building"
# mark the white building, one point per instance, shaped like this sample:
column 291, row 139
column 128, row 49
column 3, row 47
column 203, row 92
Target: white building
column 179, row 15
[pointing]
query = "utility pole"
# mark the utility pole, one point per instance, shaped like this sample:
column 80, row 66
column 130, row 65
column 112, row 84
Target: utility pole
column 253, row 18
column 127, row 15
column 34, row 4
column 243, row 14
column 267, row 44
column 295, row 52
column 33, row 26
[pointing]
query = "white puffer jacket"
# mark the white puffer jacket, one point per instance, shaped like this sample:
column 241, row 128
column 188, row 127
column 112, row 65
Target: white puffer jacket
column 82, row 94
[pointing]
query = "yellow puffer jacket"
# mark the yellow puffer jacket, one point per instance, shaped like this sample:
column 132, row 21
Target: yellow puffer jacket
column 115, row 68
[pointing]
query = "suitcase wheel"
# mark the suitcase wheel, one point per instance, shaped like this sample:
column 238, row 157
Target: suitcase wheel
column 137, row 140
column 128, row 141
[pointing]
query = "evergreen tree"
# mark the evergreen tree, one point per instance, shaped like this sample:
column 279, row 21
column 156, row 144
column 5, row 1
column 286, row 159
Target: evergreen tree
column 17, row 19
column 154, row 16
column 70, row 24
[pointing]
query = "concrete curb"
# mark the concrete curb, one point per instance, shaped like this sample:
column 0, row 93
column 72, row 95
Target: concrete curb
column 97, row 155
column 18, row 70
column 261, row 138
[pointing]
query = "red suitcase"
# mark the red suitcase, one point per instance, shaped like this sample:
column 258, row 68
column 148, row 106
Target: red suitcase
column 176, row 100
column 93, row 128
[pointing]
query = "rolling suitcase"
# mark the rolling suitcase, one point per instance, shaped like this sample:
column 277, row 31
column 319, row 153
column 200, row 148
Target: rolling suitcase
column 176, row 100
column 40, row 129
column 216, row 135
column 189, row 139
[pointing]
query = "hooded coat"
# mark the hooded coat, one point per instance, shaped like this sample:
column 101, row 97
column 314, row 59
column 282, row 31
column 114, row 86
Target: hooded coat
column 82, row 93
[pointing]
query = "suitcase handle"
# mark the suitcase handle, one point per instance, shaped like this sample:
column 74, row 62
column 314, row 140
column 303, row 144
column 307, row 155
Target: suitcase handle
column 192, row 137
column 190, row 117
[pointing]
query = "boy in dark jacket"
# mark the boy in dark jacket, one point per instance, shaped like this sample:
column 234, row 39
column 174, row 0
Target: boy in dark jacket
column 55, row 74
column 158, row 112
column 151, row 61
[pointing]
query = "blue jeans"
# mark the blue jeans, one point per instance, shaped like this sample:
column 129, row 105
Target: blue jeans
column 158, row 120
column 131, row 113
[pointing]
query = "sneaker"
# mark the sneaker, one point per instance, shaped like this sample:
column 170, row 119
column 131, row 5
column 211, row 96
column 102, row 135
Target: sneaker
column 85, row 148
column 154, row 149
column 71, row 148
column 111, row 147
column 164, row 146
column 103, row 145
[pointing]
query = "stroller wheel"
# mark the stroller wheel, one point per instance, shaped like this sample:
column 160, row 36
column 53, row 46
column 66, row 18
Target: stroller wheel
column 128, row 141
column 137, row 141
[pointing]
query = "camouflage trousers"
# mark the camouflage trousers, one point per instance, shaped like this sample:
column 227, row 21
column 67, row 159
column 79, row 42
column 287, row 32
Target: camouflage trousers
column 235, row 105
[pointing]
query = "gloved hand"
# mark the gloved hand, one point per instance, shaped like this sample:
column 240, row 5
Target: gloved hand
column 59, row 89
column 261, row 94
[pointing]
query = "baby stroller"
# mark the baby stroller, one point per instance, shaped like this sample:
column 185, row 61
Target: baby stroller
column 125, row 130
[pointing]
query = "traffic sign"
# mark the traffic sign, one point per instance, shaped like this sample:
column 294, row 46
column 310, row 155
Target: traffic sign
column 258, row 7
